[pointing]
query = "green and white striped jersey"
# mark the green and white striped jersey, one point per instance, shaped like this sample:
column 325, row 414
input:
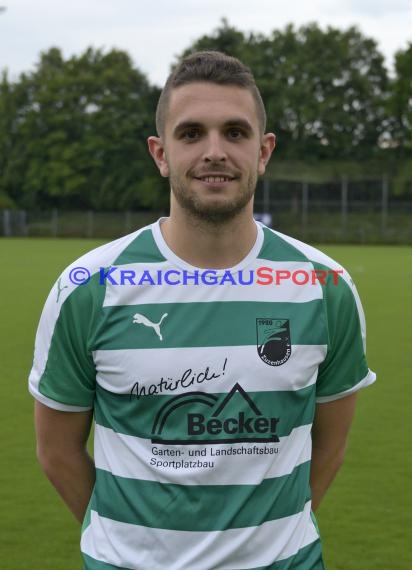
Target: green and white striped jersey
column 204, row 390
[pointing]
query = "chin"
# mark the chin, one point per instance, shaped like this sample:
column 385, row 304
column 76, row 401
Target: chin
column 217, row 214
column 214, row 209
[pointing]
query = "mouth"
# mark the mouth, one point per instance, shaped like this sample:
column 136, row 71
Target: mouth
column 215, row 178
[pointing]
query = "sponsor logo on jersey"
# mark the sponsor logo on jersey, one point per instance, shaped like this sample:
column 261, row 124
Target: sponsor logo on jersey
column 200, row 418
column 139, row 319
column 273, row 340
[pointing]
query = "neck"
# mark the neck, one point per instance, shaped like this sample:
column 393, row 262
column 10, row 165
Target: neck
column 207, row 245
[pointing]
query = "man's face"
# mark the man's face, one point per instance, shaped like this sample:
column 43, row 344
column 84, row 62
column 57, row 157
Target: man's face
column 212, row 150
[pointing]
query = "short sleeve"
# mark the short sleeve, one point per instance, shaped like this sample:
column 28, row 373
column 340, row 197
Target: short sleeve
column 63, row 372
column 344, row 369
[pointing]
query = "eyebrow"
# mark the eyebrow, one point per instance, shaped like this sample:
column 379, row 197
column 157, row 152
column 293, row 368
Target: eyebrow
column 232, row 122
column 184, row 125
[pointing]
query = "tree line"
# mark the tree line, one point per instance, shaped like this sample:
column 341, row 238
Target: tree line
column 73, row 131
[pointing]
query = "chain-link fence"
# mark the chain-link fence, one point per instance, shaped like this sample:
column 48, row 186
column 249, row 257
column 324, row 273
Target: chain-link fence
column 365, row 211
column 341, row 212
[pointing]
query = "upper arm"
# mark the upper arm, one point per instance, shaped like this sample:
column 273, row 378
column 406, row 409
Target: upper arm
column 332, row 423
column 344, row 370
column 57, row 430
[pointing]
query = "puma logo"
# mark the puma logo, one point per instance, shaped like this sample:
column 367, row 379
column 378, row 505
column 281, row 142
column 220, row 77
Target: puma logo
column 60, row 289
column 142, row 320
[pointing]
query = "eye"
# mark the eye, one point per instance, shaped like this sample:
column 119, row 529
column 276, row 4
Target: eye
column 191, row 134
column 235, row 133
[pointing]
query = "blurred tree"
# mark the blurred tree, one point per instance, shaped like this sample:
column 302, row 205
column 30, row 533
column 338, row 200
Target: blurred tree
column 13, row 102
column 226, row 39
column 324, row 91
column 75, row 132
column 328, row 92
column 400, row 102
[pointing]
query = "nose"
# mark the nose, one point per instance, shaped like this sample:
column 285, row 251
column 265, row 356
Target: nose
column 214, row 148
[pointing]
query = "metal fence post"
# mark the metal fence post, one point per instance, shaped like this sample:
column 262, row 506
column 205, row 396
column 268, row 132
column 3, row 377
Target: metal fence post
column 55, row 223
column 24, row 230
column 385, row 194
column 344, row 204
column 305, row 206
column 128, row 222
column 6, row 223
column 90, row 223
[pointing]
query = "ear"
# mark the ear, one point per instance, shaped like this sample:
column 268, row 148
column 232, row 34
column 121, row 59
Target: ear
column 267, row 146
column 157, row 150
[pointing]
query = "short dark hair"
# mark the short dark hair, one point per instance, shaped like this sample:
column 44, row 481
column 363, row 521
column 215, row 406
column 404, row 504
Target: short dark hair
column 211, row 67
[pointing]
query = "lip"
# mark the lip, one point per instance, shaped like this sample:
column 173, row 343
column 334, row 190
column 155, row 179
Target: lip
column 215, row 182
column 215, row 179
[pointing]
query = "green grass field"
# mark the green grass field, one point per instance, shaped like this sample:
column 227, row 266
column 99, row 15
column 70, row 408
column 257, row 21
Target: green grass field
column 366, row 518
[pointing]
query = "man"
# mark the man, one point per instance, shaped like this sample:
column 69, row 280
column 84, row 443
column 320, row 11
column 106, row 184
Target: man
column 212, row 352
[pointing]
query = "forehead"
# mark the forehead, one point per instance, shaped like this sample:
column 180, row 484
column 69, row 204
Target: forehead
column 209, row 103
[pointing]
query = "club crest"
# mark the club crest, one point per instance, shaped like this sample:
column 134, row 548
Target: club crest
column 273, row 340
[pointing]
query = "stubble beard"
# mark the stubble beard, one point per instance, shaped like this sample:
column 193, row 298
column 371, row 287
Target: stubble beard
column 212, row 214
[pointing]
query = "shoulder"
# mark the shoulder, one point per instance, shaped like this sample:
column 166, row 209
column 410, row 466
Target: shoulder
column 338, row 286
column 297, row 250
column 282, row 247
column 82, row 274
